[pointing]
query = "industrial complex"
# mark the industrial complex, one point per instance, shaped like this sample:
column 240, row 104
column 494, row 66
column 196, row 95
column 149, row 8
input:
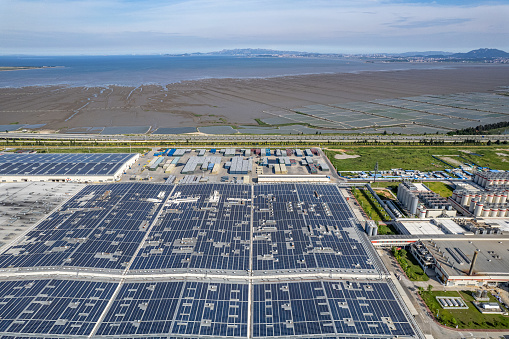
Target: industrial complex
column 234, row 242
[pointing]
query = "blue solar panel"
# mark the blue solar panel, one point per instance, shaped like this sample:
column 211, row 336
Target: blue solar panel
column 137, row 231
column 62, row 163
column 186, row 308
column 52, row 306
column 101, row 227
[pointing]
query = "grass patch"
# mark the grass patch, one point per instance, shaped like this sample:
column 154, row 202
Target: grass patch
column 367, row 204
column 464, row 319
column 440, row 188
column 415, row 157
column 408, row 263
column 261, row 123
column 373, row 210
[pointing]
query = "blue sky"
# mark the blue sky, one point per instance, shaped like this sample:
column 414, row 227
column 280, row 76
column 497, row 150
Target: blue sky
column 336, row 26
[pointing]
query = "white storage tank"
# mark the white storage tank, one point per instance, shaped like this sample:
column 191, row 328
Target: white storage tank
column 502, row 212
column 493, row 212
column 485, row 212
column 422, row 213
column 478, row 209
column 472, row 205
column 503, row 198
column 464, row 199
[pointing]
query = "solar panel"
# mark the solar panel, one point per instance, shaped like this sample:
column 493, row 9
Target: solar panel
column 62, row 163
column 196, row 261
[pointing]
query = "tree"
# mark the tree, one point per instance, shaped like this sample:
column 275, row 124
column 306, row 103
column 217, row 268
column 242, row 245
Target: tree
column 488, row 143
column 421, row 289
column 430, row 288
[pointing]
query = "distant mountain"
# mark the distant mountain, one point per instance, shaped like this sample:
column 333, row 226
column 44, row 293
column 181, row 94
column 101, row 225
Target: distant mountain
column 423, row 54
column 255, row 51
column 482, row 53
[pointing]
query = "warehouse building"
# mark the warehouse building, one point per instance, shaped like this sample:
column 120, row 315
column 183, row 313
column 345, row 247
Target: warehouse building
column 465, row 261
column 62, row 167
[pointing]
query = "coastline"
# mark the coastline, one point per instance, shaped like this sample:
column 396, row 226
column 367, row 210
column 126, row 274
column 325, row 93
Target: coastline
column 230, row 101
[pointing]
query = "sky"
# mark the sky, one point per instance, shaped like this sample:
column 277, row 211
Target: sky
column 102, row 27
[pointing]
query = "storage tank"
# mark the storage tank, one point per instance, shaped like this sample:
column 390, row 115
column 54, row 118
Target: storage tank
column 413, row 205
column 464, row 199
column 502, row 212
column 472, row 205
column 484, row 294
column 478, row 209
column 454, row 194
column 459, row 197
column 496, row 198
column 484, row 182
column 493, row 212
column 503, row 198
column 422, row 213
column 489, row 198
column 485, row 212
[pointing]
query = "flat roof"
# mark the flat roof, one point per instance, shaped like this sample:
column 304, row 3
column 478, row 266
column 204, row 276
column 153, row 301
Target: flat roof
column 62, row 164
column 493, row 257
column 200, row 261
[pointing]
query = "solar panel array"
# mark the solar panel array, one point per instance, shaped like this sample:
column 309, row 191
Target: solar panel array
column 196, row 261
column 62, row 163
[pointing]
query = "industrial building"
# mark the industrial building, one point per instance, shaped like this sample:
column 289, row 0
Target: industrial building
column 62, row 167
column 465, row 261
column 195, row 261
column 489, row 202
column 491, row 179
column 420, row 201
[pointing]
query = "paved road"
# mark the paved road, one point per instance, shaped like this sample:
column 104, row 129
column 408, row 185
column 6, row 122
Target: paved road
column 314, row 139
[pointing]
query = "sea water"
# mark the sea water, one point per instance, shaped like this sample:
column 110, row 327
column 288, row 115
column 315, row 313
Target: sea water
column 135, row 70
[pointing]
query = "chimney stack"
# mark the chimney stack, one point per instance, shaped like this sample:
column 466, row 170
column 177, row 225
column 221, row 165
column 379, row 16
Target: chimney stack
column 473, row 263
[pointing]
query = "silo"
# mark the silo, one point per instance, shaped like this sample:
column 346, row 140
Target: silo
column 413, row 205
column 469, row 197
column 398, row 195
column 502, row 212
column 490, row 182
column 496, row 198
column 503, row 198
column 459, row 197
column 454, row 195
column 375, row 230
column 478, row 209
column 484, row 182
column 422, row 212
column 472, row 205
column 464, row 199
column 476, row 178
column 489, row 198
column 408, row 199
column 493, row 212
column 485, row 211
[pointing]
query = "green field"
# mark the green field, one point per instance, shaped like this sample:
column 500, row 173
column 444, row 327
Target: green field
column 373, row 210
column 440, row 188
column 464, row 319
column 408, row 263
column 417, row 157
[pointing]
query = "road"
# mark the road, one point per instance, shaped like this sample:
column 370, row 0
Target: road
column 312, row 139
